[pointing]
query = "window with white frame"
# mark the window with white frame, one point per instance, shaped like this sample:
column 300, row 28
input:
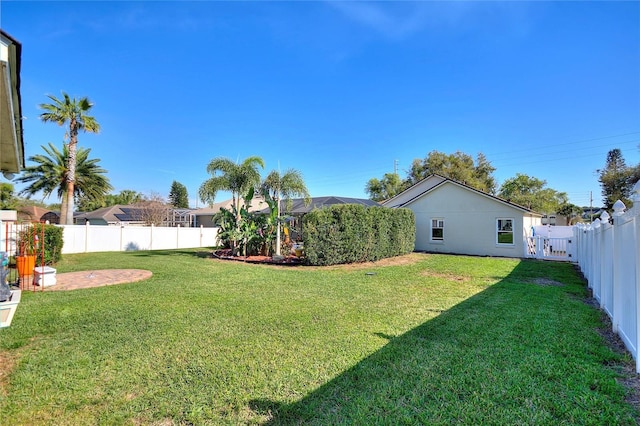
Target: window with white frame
column 504, row 231
column 437, row 229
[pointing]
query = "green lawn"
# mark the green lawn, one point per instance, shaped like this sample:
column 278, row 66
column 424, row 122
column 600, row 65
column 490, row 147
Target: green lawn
column 435, row 339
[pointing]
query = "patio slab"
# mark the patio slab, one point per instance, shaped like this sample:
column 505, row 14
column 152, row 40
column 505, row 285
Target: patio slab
column 98, row 278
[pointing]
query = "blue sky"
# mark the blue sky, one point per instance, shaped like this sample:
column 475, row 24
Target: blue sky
column 337, row 90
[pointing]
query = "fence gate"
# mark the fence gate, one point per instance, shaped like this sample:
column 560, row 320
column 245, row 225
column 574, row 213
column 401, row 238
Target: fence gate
column 549, row 248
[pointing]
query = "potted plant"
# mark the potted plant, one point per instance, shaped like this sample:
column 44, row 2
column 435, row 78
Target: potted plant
column 28, row 245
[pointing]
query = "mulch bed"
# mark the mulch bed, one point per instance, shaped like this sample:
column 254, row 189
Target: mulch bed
column 225, row 254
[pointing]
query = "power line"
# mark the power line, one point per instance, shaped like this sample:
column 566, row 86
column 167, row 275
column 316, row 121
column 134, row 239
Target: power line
column 551, row 159
column 538, row 147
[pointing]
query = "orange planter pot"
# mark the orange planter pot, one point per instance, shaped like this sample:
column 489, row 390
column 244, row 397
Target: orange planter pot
column 25, row 265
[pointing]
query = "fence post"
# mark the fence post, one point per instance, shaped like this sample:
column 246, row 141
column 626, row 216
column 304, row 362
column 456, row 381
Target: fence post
column 86, row 236
column 591, row 253
column 577, row 234
column 636, row 225
column 595, row 281
column 635, row 212
column 539, row 247
column 618, row 251
column 178, row 236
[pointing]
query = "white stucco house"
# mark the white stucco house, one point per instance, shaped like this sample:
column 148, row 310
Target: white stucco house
column 452, row 217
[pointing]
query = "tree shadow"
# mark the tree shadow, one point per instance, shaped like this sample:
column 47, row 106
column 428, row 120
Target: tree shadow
column 444, row 370
column 265, row 407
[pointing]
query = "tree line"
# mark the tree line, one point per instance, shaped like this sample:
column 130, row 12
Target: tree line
column 616, row 178
column 78, row 180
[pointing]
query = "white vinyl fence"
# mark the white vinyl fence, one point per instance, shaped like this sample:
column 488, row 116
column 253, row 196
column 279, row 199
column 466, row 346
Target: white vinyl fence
column 92, row 238
column 608, row 255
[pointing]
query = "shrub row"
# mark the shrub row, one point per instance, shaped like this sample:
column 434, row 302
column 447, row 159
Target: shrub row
column 53, row 242
column 351, row 233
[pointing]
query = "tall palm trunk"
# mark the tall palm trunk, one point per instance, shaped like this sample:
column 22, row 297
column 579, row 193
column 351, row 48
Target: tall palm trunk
column 236, row 205
column 71, row 170
column 278, row 242
column 63, row 209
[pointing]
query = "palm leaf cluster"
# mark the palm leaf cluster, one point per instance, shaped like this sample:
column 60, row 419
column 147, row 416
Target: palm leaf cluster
column 50, row 173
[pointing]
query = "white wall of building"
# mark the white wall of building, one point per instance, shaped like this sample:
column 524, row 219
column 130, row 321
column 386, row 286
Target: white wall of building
column 470, row 222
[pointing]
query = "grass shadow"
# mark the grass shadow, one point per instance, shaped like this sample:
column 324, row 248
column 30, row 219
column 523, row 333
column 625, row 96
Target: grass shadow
column 516, row 353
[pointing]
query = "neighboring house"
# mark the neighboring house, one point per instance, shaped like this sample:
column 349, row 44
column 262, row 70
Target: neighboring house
column 37, row 214
column 554, row 220
column 112, row 215
column 11, row 139
column 296, row 208
column 204, row 216
column 590, row 213
column 136, row 215
column 452, row 217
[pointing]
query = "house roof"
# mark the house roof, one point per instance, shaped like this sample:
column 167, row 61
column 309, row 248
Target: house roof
column 298, row 206
column 113, row 214
column 32, row 213
column 257, row 204
column 11, row 132
column 434, row 181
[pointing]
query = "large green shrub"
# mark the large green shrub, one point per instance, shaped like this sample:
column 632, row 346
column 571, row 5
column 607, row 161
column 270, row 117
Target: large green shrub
column 30, row 242
column 351, row 233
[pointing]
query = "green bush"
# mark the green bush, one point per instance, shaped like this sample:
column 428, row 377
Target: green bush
column 352, row 233
column 29, row 244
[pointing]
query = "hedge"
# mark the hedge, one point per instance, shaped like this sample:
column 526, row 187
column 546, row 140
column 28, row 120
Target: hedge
column 352, row 233
column 53, row 241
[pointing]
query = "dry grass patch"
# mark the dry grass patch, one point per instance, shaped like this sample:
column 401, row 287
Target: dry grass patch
column 7, row 364
column 405, row 260
column 544, row 282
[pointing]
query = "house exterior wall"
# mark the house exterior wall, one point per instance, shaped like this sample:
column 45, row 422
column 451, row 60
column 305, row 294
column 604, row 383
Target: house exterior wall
column 4, row 49
column 414, row 191
column 528, row 222
column 470, row 222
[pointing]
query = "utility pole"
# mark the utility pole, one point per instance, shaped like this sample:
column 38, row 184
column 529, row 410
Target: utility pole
column 591, row 205
column 395, row 167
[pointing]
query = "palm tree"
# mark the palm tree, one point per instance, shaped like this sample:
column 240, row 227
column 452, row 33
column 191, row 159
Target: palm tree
column 75, row 113
column 127, row 197
column 50, row 174
column 284, row 187
column 238, row 178
column 233, row 177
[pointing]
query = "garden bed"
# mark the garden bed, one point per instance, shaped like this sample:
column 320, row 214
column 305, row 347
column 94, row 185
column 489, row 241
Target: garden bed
column 225, row 254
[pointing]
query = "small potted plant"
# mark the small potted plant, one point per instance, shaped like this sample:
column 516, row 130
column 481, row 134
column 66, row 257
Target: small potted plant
column 298, row 249
column 27, row 248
